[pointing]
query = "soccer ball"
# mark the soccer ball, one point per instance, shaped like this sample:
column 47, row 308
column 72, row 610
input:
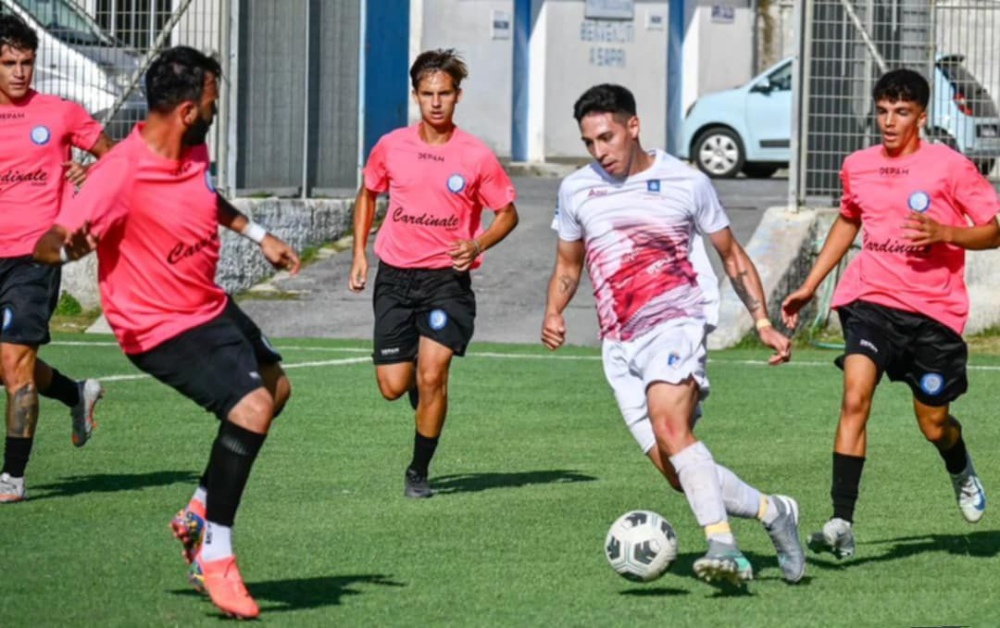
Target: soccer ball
column 641, row 545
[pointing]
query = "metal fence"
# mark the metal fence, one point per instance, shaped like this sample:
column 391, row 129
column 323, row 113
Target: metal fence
column 844, row 46
column 288, row 106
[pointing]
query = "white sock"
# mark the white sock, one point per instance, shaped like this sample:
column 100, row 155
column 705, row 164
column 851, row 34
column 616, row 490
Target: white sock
column 218, row 542
column 741, row 499
column 696, row 471
column 200, row 495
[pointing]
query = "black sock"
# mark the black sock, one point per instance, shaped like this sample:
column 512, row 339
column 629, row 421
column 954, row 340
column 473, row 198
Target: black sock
column 62, row 389
column 846, row 479
column 955, row 458
column 423, row 451
column 15, row 456
column 233, row 455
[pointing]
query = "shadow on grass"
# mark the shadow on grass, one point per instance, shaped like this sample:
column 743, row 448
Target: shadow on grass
column 475, row 482
column 979, row 544
column 112, row 483
column 278, row 596
column 654, row 592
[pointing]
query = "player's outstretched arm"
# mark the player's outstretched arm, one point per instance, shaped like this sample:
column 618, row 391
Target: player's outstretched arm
column 746, row 283
column 838, row 242
column 922, row 230
column 364, row 217
column 275, row 250
column 562, row 287
column 59, row 245
column 76, row 173
column 464, row 252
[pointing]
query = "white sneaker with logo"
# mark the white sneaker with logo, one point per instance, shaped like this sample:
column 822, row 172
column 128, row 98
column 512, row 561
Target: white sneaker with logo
column 969, row 493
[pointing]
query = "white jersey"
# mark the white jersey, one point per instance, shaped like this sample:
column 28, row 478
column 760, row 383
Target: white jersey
column 645, row 256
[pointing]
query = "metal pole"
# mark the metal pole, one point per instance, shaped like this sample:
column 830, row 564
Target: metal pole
column 800, row 86
column 228, row 84
column 305, row 101
column 362, row 70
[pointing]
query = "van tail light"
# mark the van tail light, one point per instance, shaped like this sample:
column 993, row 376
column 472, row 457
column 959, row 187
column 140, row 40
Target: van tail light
column 962, row 103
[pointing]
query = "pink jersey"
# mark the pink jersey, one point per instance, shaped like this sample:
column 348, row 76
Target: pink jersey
column 436, row 195
column 158, row 225
column 881, row 191
column 36, row 136
column 644, row 254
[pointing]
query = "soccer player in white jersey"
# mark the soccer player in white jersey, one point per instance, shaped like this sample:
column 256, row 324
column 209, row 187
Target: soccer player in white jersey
column 635, row 218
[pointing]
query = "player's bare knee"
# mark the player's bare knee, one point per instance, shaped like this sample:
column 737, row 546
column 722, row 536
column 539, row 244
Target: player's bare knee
column 281, row 394
column 855, row 406
column 18, row 369
column 254, row 412
column 390, row 389
column 430, row 380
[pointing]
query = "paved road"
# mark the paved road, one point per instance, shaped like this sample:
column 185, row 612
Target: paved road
column 510, row 286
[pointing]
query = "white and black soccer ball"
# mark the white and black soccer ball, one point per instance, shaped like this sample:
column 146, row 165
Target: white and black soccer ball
column 641, row 545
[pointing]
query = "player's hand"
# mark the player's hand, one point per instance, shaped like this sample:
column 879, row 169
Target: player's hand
column 463, row 253
column 76, row 173
column 359, row 274
column 80, row 242
column 792, row 304
column 553, row 331
column 921, row 230
column 280, row 254
column 779, row 342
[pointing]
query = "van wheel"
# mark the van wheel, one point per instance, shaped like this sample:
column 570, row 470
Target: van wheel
column 985, row 166
column 759, row 171
column 718, row 152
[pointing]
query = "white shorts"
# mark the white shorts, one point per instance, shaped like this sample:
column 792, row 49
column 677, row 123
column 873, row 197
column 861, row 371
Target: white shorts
column 671, row 353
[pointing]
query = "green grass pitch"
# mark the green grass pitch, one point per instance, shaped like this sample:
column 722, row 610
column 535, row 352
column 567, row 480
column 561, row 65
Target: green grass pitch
column 534, row 466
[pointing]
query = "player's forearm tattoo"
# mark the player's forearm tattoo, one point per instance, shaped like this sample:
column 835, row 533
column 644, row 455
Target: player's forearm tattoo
column 22, row 411
column 567, row 284
column 740, row 285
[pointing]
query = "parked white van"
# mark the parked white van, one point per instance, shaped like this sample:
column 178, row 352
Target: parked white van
column 78, row 61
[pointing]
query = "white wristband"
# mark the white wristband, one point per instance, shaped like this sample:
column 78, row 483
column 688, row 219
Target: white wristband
column 63, row 254
column 253, row 231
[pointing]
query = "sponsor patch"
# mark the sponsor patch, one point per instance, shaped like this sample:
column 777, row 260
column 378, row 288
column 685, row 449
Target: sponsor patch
column 653, row 185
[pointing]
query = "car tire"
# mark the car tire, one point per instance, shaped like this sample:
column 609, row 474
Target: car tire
column 718, row 152
column 759, row 170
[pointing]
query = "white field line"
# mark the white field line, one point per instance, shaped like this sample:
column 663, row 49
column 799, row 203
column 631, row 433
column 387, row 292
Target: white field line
column 474, row 354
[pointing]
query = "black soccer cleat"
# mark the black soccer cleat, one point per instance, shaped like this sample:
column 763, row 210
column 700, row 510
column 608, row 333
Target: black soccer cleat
column 417, row 485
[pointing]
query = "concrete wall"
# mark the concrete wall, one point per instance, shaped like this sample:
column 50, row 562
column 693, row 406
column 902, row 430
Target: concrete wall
column 301, row 223
column 718, row 52
column 579, row 53
column 467, row 25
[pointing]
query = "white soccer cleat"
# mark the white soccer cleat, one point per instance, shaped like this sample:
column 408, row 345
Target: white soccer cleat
column 11, row 489
column 969, row 493
column 82, row 413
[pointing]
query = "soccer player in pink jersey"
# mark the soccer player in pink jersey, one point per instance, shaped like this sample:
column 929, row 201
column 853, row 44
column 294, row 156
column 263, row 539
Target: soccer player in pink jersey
column 902, row 301
column 151, row 212
column 636, row 218
column 37, row 133
column 439, row 179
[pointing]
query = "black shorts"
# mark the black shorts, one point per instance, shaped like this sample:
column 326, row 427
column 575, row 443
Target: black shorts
column 29, row 293
column 908, row 347
column 414, row 302
column 215, row 364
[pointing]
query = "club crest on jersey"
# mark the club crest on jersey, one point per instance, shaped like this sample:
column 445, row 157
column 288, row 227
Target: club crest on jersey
column 673, row 359
column 653, row 185
column 438, row 319
column 919, row 201
column 41, row 135
column 456, row 183
column 208, row 181
column 931, row 383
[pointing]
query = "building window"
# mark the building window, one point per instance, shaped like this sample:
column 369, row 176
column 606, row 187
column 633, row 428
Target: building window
column 134, row 22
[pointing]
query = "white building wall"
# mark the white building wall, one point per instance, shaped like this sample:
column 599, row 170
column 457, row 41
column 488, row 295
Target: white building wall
column 581, row 53
column 718, row 52
column 467, row 26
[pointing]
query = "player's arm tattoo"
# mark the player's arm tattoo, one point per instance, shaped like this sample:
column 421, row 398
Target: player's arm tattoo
column 567, row 285
column 741, row 284
column 23, row 411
